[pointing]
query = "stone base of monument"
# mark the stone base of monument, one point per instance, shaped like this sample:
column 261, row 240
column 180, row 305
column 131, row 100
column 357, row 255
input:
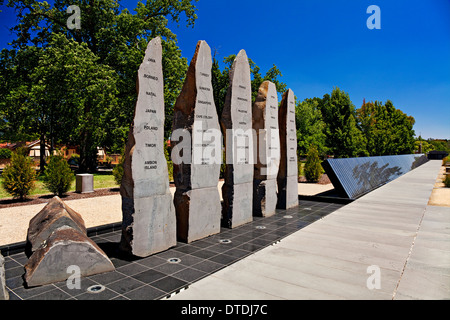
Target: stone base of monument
column 237, row 206
column 3, row 292
column 66, row 247
column 264, row 197
column 149, row 225
column 288, row 193
column 53, row 216
column 198, row 213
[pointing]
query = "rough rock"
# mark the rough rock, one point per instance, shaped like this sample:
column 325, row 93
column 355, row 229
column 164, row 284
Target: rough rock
column 65, row 247
column 53, row 216
column 148, row 224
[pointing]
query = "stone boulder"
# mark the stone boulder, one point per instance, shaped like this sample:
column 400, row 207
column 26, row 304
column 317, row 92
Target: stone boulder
column 53, row 216
column 65, row 247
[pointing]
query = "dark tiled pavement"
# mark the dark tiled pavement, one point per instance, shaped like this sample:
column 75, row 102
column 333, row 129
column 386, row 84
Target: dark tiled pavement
column 156, row 277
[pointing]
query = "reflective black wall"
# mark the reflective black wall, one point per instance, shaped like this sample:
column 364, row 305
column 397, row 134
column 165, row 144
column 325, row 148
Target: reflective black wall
column 354, row 177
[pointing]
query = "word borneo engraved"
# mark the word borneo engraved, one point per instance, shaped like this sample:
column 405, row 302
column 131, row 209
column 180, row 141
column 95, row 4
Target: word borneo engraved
column 149, row 220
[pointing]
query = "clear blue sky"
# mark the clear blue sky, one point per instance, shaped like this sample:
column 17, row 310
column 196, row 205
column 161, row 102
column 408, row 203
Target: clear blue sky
column 322, row 44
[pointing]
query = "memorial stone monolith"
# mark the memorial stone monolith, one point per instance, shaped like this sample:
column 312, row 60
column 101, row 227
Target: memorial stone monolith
column 287, row 179
column 265, row 124
column 236, row 122
column 149, row 221
column 198, row 155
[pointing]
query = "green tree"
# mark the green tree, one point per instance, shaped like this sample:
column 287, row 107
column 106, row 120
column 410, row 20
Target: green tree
column 344, row 138
column 426, row 146
column 310, row 126
column 118, row 40
column 58, row 176
column 388, row 130
column 19, row 176
column 220, row 80
column 313, row 167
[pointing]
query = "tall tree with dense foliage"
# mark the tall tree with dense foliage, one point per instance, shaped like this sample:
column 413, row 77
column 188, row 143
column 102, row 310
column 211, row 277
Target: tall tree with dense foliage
column 220, row 80
column 388, row 130
column 117, row 39
column 310, row 126
column 344, row 138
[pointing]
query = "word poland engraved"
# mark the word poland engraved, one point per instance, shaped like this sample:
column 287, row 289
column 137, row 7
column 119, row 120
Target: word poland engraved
column 288, row 172
column 236, row 121
column 149, row 221
column 197, row 200
column 265, row 123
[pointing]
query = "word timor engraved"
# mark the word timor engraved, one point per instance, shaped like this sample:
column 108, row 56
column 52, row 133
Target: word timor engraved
column 149, row 220
column 287, row 179
column 236, row 122
column 265, row 124
column 197, row 199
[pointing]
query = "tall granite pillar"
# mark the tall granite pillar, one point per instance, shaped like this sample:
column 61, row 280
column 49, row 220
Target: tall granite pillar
column 3, row 292
column 287, row 179
column 197, row 199
column 236, row 122
column 265, row 124
column 149, row 221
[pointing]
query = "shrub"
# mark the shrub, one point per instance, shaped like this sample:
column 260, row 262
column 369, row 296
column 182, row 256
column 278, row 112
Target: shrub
column 118, row 171
column 58, row 176
column 447, row 181
column 313, row 168
column 169, row 162
column 5, row 153
column 19, row 176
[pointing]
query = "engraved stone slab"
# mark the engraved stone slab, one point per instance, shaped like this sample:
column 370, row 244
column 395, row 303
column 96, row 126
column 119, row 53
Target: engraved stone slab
column 149, row 221
column 265, row 124
column 64, row 248
column 236, row 122
column 196, row 114
column 3, row 292
column 288, row 172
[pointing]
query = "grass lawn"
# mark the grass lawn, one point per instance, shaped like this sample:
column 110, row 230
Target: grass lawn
column 101, row 180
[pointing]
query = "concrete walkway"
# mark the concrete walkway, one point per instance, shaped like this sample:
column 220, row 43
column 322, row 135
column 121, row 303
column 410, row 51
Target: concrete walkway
column 387, row 245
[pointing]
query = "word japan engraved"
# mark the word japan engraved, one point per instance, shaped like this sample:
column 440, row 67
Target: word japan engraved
column 149, row 220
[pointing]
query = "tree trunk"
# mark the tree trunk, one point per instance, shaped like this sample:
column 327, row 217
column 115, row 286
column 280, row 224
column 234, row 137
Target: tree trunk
column 42, row 162
column 88, row 154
